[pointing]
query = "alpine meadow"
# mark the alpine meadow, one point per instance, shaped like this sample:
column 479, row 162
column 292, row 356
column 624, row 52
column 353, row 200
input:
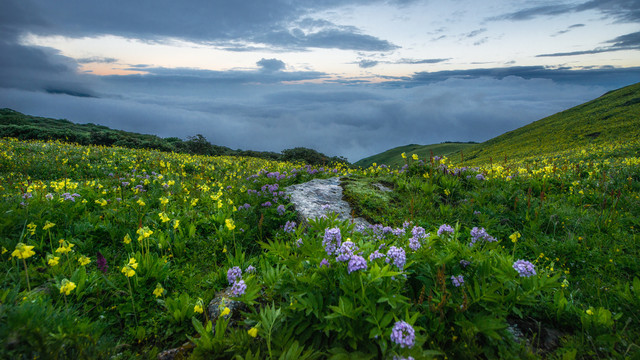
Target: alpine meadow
column 524, row 246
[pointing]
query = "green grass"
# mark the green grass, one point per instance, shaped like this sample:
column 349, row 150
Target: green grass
column 392, row 157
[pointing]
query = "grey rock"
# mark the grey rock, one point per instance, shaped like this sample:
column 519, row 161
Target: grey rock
column 320, row 197
column 221, row 300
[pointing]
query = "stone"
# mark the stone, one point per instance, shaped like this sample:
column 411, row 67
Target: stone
column 320, row 197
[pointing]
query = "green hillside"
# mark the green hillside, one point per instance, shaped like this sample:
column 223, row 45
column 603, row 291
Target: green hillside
column 392, row 157
column 611, row 118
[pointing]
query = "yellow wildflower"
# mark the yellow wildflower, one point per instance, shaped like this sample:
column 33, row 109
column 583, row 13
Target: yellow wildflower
column 143, row 233
column 127, row 239
column 83, row 260
column 48, row 225
column 194, row 202
column 163, row 217
column 199, row 306
column 140, row 202
column 67, row 286
column 53, row 261
column 101, row 202
column 32, row 228
column 229, row 224
column 4, row 250
column 225, row 312
column 515, row 236
column 589, row 312
column 23, row 251
column 253, row 332
column 158, row 291
column 176, row 224
column 404, row 156
column 65, row 247
column 132, row 263
column 164, row 200
column 414, row 157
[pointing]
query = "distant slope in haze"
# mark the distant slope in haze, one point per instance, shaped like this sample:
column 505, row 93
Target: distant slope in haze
column 392, row 157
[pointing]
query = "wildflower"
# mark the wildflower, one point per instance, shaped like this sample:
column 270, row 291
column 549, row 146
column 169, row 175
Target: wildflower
column 281, row 210
column 159, row 290
column 403, row 334
column 67, row 286
column 101, row 202
column 176, row 224
column 198, row 308
column 53, row 261
column 514, row 237
column 589, row 312
column 225, row 312
column 346, row 251
column 457, row 280
column 332, row 240
column 4, row 250
column 127, row 239
column 250, row 269
column 23, row 251
column 375, row 255
column 253, row 332
column 129, row 269
column 356, row 263
column 31, row 228
column 164, row 200
column 101, row 262
column 299, row 242
column 143, row 233
column 229, row 224
column 397, row 255
column 445, row 228
column 480, row 234
column 140, row 202
column 48, row 225
column 524, row 268
column 465, row 263
column 83, row 260
column 65, row 247
column 194, row 202
column 163, row 217
column 238, row 288
column 480, row 177
column 234, row 274
column 404, row 156
column 290, row 226
column 414, row 157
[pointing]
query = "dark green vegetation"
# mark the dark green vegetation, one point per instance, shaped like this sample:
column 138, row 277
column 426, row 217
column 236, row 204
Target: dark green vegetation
column 24, row 127
column 392, row 157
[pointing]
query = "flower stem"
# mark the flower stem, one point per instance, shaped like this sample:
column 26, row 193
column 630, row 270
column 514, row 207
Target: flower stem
column 26, row 272
column 132, row 303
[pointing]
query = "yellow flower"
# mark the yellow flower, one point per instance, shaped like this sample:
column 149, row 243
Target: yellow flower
column 140, row 202
column 199, row 306
column 127, row 271
column 229, row 224
column 164, row 200
column 224, row 250
column 127, row 239
column 53, row 261
column 253, row 332
column 83, row 260
column 176, row 224
column 48, row 225
column 158, row 291
column 65, row 247
column 32, row 228
column 101, row 202
column 404, row 156
column 447, row 192
column 4, row 250
column 132, row 263
column 515, row 236
column 414, row 157
column 194, row 202
column 67, row 286
column 143, row 233
column 589, row 312
column 23, row 251
column 225, row 312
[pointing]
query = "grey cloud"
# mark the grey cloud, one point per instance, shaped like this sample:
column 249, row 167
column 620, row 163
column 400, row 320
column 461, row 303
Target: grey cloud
column 628, row 40
column 624, row 42
column 271, row 64
column 95, row 59
column 365, row 64
column 530, row 13
column 620, row 10
column 574, row 26
column 474, row 33
column 421, row 61
column 345, row 38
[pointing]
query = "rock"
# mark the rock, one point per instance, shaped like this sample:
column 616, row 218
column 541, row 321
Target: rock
column 382, row 187
column 320, row 197
column 221, row 300
column 181, row 352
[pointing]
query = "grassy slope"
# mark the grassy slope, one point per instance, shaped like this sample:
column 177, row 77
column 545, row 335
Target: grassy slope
column 392, row 157
column 613, row 116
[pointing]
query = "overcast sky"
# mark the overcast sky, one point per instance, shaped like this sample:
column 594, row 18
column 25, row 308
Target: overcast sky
column 345, row 77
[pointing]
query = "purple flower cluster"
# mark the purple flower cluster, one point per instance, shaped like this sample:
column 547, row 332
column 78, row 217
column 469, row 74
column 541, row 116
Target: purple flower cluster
column 457, row 280
column 444, row 228
column 266, row 204
column 399, row 231
column 346, row 250
column 244, row 207
column 375, row 255
column 299, row 242
column 480, row 234
column 524, row 268
column 281, row 210
column 70, row 197
column 324, row 262
column 234, row 274
column 397, row 256
column 332, row 240
column 418, row 234
column 464, row 263
column 480, row 177
column 403, row 334
column 356, row 263
column 250, row 269
column 238, row 288
column 290, row 226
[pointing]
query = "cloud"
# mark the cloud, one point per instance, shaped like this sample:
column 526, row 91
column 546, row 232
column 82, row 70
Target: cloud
column 365, row 64
column 574, row 26
column 96, row 59
column 620, row 10
column 624, row 42
column 270, row 65
column 474, row 33
column 421, row 61
column 344, row 38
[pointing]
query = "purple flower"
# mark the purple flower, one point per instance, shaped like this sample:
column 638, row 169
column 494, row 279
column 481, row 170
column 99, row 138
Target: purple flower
column 399, row 231
column 480, row 234
column 324, row 262
column 238, row 288
column 375, row 255
column 233, row 274
column 524, row 268
column 266, row 204
column 445, row 228
column 49, row 196
column 480, row 177
column 101, row 262
column 27, row 195
column 346, row 250
column 403, row 334
column 465, row 263
column 299, row 242
column 457, row 280
column 356, row 263
column 250, row 269
column 397, row 255
column 332, row 240
column 281, row 210
column 414, row 244
column 418, row 232
column 290, row 226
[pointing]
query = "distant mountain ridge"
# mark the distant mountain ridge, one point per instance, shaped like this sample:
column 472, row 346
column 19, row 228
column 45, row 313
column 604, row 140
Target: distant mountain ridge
column 392, row 157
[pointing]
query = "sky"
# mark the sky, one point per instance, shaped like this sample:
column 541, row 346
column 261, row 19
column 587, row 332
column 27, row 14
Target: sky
column 348, row 78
